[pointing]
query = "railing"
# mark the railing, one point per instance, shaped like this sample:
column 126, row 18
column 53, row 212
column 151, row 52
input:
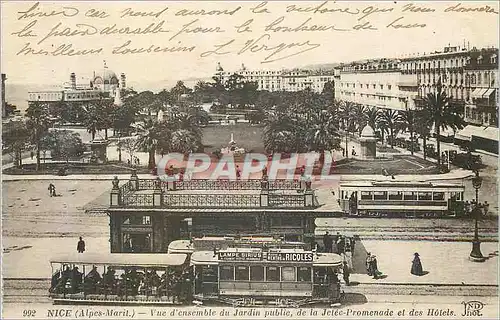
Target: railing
column 211, row 200
column 138, row 200
column 287, row 201
column 125, row 191
column 206, row 184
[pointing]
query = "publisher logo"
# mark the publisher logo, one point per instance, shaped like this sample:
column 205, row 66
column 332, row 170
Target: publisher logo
column 472, row 308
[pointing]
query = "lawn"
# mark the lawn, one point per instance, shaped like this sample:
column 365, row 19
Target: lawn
column 245, row 135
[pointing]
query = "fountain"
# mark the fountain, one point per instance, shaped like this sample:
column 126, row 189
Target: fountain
column 232, row 148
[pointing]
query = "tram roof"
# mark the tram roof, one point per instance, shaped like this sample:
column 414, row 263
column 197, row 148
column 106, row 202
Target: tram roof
column 400, row 184
column 123, row 259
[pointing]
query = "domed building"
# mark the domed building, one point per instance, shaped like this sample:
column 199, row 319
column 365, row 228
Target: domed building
column 106, row 81
column 368, row 142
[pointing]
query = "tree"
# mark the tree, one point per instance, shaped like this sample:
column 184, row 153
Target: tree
column 38, row 124
column 423, row 124
column 129, row 145
column 149, row 137
column 63, row 144
column 360, row 117
column 408, row 122
column 184, row 141
column 391, row 119
column 15, row 137
column 178, row 90
column 373, row 117
column 346, row 120
column 443, row 113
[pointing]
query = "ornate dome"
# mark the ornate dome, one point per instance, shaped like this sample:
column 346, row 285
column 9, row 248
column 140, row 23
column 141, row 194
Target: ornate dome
column 368, row 132
column 108, row 75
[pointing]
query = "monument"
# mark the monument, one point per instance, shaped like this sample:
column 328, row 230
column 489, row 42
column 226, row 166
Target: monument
column 232, row 148
column 368, row 143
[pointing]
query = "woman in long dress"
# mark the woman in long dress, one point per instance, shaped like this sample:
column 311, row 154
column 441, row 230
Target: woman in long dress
column 416, row 266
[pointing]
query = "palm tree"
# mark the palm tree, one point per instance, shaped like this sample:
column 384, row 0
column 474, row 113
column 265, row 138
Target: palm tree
column 360, row 116
column 184, row 141
column 391, row 119
column 92, row 120
column 408, row 119
column 373, row 117
column 323, row 132
column 346, row 117
column 423, row 124
column 150, row 134
column 443, row 113
column 39, row 122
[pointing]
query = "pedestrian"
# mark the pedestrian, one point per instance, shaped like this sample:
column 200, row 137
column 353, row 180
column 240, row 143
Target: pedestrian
column 341, row 245
column 486, row 207
column 353, row 242
column 467, row 207
column 238, row 172
column 327, row 242
column 345, row 273
column 80, row 247
column 374, row 265
column 368, row 264
column 334, row 243
column 32, row 154
column 52, row 190
column 353, row 151
column 343, row 152
column 416, row 266
column 264, row 173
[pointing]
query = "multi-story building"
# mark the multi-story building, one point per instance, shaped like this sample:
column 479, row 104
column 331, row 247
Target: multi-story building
column 102, row 85
column 374, row 83
column 280, row 80
column 469, row 77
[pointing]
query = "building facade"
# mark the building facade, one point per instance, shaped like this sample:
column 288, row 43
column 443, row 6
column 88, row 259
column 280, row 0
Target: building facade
column 104, row 84
column 280, row 80
column 375, row 83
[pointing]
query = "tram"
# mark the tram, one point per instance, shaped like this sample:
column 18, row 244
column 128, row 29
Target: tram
column 260, row 270
column 401, row 198
column 119, row 279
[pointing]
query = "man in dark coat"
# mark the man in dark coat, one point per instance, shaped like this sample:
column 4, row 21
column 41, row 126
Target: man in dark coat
column 416, row 266
column 346, row 272
column 327, row 242
column 80, row 247
column 334, row 245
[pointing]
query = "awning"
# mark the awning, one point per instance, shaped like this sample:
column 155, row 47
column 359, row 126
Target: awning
column 482, row 93
column 488, row 133
column 467, row 133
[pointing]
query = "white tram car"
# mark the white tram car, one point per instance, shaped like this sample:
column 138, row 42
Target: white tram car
column 401, row 198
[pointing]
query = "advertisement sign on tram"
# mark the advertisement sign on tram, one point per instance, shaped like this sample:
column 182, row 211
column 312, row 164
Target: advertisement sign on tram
column 240, row 256
column 292, row 257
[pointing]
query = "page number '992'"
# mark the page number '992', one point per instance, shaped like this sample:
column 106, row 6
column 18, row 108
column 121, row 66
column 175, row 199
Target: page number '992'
column 29, row 313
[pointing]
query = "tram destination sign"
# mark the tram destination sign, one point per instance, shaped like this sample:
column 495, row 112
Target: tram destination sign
column 240, row 256
column 292, row 257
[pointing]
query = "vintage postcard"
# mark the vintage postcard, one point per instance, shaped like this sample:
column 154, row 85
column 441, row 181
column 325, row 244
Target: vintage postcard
column 249, row 159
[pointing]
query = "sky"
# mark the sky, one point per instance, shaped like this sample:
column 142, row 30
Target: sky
column 253, row 45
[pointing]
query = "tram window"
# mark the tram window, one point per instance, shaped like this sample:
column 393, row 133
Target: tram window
column 287, row 273
column 395, row 195
column 257, row 273
column 425, row 196
column 410, row 196
column 242, row 273
column 366, row 195
column 380, row 195
column 227, row 273
column 303, row 274
column 273, row 274
column 438, row 196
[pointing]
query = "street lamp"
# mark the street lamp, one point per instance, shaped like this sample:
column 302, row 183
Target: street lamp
column 476, row 254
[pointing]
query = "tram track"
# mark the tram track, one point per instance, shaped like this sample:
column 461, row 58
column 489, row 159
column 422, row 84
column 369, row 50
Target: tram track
column 36, row 290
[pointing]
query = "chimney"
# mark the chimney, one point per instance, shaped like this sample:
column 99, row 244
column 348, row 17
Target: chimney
column 123, row 81
column 72, row 79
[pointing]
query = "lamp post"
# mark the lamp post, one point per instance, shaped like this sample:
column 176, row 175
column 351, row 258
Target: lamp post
column 476, row 254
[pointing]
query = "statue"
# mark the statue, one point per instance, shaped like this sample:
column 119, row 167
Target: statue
column 115, row 183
